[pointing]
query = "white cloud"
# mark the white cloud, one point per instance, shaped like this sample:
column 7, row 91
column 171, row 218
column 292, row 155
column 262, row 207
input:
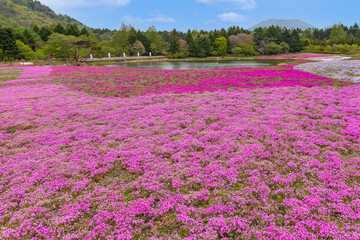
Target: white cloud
column 71, row 4
column 161, row 19
column 231, row 17
column 238, row 4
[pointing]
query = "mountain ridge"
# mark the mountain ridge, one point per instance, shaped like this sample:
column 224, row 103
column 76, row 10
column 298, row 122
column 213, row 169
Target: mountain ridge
column 288, row 23
column 26, row 13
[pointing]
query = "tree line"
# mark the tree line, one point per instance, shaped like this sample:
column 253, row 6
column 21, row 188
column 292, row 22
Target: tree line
column 70, row 41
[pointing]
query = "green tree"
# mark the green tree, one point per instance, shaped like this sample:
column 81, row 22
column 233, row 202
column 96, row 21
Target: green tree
column 338, row 34
column 244, row 49
column 59, row 29
column 285, row 47
column 137, row 47
column 36, row 28
column 72, row 29
column 120, row 40
column 203, row 46
column 273, row 34
column 295, row 43
column 174, row 43
column 191, row 42
column 29, row 38
column 25, row 51
column 61, row 46
column 84, row 32
column 220, row 45
column 8, row 43
column 44, row 33
column 273, row 49
column 157, row 44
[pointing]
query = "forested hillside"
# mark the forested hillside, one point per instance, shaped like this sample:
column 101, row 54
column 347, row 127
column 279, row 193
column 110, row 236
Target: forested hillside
column 26, row 13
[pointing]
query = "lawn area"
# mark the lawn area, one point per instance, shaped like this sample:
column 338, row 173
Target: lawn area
column 118, row 153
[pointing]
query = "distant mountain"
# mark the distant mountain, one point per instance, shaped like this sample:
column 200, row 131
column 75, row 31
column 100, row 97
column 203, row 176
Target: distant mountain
column 26, row 13
column 288, row 23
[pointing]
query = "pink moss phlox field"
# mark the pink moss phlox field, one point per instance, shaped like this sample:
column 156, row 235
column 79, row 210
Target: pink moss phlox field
column 297, row 55
column 112, row 81
column 254, row 163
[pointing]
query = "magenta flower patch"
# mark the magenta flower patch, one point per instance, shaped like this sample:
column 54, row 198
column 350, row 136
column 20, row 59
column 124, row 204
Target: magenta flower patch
column 269, row 153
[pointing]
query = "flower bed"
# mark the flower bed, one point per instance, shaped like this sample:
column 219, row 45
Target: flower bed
column 262, row 163
column 341, row 70
column 106, row 81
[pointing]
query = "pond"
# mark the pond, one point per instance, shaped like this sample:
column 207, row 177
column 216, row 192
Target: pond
column 183, row 65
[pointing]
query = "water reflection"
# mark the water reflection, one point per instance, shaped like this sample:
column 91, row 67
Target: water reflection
column 183, row 65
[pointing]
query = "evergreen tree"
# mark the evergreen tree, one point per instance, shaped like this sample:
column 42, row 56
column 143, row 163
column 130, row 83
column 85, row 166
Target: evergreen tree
column 44, row 33
column 274, row 34
column 84, row 32
column 295, row 44
column 59, row 29
column 286, row 36
column 72, row 29
column 144, row 40
column 259, row 35
column 36, row 28
column 8, row 43
column 192, row 45
column 203, row 46
column 174, row 44
column 29, row 39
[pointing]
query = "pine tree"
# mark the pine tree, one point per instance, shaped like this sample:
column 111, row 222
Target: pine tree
column 29, row 39
column 295, row 44
column 8, row 43
column 174, row 44
column 72, row 29
column 59, row 29
column 190, row 41
column 45, row 33
column 84, row 32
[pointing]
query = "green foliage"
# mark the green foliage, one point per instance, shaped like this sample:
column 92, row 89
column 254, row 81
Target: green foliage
column 120, row 40
column 25, row 51
column 61, row 46
column 295, row 44
column 338, row 34
column 157, row 43
column 181, row 55
column 44, row 33
column 84, row 32
column 273, row 49
column 285, row 47
column 72, row 29
column 174, row 43
column 221, row 46
column 59, row 29
column 137, row 47
column 27, row 13
column 8, row 45
column 244, row 49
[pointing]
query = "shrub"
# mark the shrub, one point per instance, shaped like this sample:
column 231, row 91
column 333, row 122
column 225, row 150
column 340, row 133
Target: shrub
column 244, row 49
column 273, row 49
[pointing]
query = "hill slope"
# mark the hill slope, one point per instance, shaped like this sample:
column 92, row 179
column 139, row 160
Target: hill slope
column 288, row 23
column 25, row 13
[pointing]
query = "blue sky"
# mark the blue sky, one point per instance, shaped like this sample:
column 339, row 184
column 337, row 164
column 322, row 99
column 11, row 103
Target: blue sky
column 204, row 14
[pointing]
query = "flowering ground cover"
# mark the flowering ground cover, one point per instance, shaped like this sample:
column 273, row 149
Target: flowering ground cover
column 7, row 74
column 277, row 162
column 341, row 70
column 106, row 81
column 297, row 55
